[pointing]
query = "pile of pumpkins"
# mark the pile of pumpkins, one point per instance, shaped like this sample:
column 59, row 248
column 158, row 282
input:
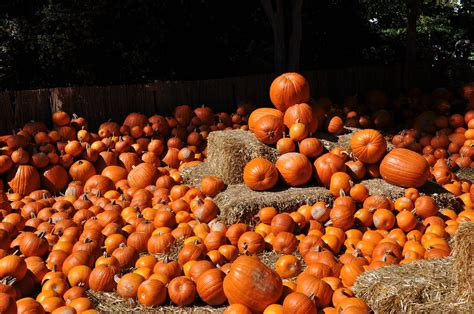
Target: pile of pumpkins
column 108, row 212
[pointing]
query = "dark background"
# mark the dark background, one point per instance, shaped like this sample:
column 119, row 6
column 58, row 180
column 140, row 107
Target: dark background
column 46, row 43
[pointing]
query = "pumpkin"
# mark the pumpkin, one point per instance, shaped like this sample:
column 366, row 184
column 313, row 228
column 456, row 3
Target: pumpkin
column 294, row 168
column 212, row 185
column 342, row 217
column 287, row 266
column 404, row 168
column 98, row 184
column 269, row 129
column 29, row 305
column 7, row 304
column 298, row 303
column 251, row 283
column 151, row 293
column 260, row 174
column 127, row 286
column 142, row 176
column 335, row 125
column 300, row 113
column 368, row 146
column 182, row 291
column 317, row 288
column 102, row 278
column 210, row 287
column 326, row 165
column 55, row 179
column 350, row 272
column 257, row 114
column 289, row 89
column 311, row 147
column 251, row 242
column 25, row 179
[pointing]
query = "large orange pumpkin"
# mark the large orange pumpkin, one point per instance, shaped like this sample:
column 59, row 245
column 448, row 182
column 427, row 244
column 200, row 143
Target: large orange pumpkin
column 260, row 174
column 405, row 168
column 295, row 169
column 368, row 145
column 25, row 180
column 251, row 283
column 289, row 89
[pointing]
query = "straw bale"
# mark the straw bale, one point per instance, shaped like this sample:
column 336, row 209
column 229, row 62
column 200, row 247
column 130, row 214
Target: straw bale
column 193, row 175
column 238, row 203
column 466, row 174
column 229, row 151
column 424, row 286
column 110, row 302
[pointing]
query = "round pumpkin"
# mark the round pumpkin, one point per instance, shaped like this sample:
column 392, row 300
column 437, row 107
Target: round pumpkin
column 326, row 165
column 257, row 114
column 294, row 168
column 404, row 168
column 251, row 283
column 289, row 89
column 269, row 129
column 260, row 174
column 368, row 145
column 142, row 176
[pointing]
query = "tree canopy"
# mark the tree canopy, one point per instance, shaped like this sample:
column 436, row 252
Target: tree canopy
column 84, row 42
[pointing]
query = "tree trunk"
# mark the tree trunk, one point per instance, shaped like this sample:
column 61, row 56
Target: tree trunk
column 276, row 16
column 412, row 14
column 294, row 49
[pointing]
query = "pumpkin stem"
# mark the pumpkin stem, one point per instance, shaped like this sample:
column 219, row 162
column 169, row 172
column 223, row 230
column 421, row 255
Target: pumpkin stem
column 341, row 192
column 328, row 223
column 116, row 278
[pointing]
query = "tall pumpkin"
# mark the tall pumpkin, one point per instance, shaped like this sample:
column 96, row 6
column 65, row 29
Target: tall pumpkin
column 25, row 179
column 295, row 169
column 289, row 89
column 368, row 145
column 404, row 168
column 251, row 283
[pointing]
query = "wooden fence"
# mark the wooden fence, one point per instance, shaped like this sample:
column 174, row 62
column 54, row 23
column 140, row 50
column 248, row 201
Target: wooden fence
column 100, row 103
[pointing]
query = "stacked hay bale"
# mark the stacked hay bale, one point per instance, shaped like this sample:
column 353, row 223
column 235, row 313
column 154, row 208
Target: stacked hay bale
column 425, row 286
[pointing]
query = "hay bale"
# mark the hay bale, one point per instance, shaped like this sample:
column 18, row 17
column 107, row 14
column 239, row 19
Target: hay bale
column 193, row 175
column 466, row 174
column 229, row 152
column 343, row 140
column 424, row 286
column 110, row 302
column 238, row 203
column 463, row 253
column 443, row 198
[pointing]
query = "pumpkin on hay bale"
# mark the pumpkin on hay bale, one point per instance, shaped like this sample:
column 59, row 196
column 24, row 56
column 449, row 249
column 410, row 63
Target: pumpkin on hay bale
column 228, row 153
column 424, row 286
column 238, row 203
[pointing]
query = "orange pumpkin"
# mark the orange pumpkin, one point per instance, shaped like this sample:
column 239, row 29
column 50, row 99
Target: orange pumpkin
column 294, row 168
column 260, row 174
column 368, row 145
column 405, row 168
column 251, row 283
column 289, row 89
column 269, row 129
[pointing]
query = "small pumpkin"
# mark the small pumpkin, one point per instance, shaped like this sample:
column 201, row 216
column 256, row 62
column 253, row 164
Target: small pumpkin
column 269, row 129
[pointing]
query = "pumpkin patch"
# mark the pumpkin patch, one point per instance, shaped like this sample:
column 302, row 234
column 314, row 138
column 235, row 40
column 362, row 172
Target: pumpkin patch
column 86, row 214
